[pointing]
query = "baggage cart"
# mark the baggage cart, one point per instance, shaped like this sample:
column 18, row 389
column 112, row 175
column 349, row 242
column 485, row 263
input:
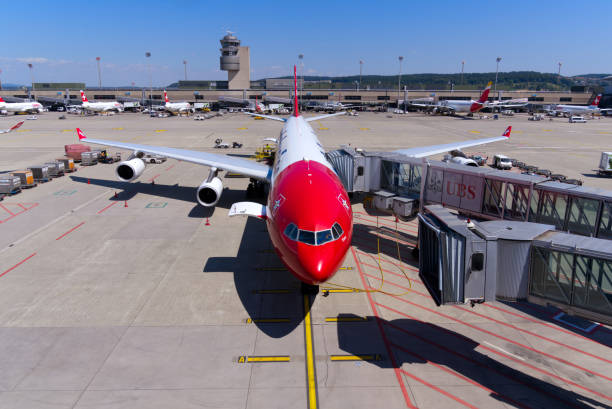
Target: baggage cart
column 89, row 158
column 26, row 177
column 9, row 184
column 41, row 173
column 56, row 169
column 68, row 164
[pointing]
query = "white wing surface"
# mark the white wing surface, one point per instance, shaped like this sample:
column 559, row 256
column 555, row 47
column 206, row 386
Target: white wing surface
column 422, row 151
column 223, row 162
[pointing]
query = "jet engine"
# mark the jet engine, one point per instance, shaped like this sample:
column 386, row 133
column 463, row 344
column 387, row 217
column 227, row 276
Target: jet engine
column 209, row 192
column 463, row 161
column 130, row 169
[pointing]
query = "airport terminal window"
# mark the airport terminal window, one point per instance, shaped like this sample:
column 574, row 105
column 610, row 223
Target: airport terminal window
column 307, row 237
column 383, row 97
column 352, row 97
column 565, row 99
column 605, row 224
column 583, row 216
column 536, row 99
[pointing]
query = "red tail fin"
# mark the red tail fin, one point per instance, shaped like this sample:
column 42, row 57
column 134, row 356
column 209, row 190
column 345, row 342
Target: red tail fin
column 83, row 97
column 596, row 101
column 295, row 103
column 166, row 96
column 81, row 134
column 507, row 132
column 485, row 94
column 1, row 100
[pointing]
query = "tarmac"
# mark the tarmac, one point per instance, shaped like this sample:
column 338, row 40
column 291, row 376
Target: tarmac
column 131, row 295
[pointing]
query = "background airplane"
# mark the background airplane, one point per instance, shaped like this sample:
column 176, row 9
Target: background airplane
column 19, row 107
column 581, row 110
column 308, row 212
column 100, row 106
column 452, row 106
column 176, row 107
column 12, row 128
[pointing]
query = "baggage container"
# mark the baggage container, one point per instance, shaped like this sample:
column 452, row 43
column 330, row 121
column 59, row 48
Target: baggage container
column 56, row 169
column 89, row 158
column 74, row 151
column 68, row 164
column 10, row 184
column 26, row 177
column 41, row 173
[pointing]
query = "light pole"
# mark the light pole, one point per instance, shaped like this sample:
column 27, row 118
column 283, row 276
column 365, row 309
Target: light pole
column 462, row 66
column 301, row 58
column 360, row 73
column 498, row 59
column 399, row 79
column 0, row 81
column 31, row 76
column 148, row 55
column 185, row 64
column 99, row 73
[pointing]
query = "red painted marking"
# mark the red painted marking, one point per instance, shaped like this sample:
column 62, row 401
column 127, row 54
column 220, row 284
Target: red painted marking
column 435, row 388
column 400, row 380
column 496, row 335
column 458, row 375
column 388, row 261
column 170, row 167
column 18, row 264
column 391, row 272
column 368, row 218
column 107, row 207
column 33, row 205
column 555, row 327
column 22, row 206
column 9, row 212
column 70, row 231
column 400, row 286
column 463, row 338
column 154, row 177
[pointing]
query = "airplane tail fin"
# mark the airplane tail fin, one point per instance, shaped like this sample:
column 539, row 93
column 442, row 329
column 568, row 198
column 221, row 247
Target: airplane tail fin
column 83, row 97
column 295, row 94
column 485, row 94
column 507, row 132
column 80, row 134
column 595, row 103
column 1, row 100
column 166, row 96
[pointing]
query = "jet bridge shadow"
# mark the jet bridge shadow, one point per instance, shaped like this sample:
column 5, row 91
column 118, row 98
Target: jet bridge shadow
column 417, row 342
column 366, row 239
column 266, row 289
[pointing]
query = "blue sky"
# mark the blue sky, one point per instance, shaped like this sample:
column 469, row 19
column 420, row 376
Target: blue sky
column 62, row 38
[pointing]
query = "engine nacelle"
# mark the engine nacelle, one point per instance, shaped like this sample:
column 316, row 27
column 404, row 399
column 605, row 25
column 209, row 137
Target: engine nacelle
column 463, row 161
column 209, row 193
column 130, row 169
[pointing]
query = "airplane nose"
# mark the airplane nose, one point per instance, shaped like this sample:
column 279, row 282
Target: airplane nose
column 319, row 264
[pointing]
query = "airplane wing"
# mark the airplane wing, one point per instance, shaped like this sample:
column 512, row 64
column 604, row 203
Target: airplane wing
column 319, row 117
column 11, row 128
column 275, row 118
column 422, row 151
column 223, row 162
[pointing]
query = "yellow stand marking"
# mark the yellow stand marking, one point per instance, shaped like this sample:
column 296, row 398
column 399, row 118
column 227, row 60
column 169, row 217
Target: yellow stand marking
column 118, row 129
column 252, row 359
column 323, row 129
column 475, row 132
column 23, row 130
column 242, row 129
column 310, row 365
column 601, row 132
column 161, row 130
column 373, row 357
column 547, row 130
column 346, row 268
column 346, row 319
column 267, row 320
column 67, row 130
column 339, row 290
column 364, row 129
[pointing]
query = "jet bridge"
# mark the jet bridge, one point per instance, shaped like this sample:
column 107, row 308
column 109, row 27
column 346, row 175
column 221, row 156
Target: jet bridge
column 403, row 185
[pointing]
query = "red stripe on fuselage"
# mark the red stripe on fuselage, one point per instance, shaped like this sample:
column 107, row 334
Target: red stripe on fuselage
column 311, row 196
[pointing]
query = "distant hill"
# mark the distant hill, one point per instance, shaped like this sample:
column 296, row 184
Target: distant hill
column 8, row 85
column 515, row 80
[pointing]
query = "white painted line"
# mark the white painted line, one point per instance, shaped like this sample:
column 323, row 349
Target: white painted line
column 503, row 350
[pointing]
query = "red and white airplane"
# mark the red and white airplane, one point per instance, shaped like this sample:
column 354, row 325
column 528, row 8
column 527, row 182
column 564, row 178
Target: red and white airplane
column 308, row 212
column 176, row 107
column 12, row 128
column 452, row 106
column 100, row 106
column 17, row 107
column 580, row 109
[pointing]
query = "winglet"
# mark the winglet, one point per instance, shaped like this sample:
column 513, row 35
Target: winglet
column 507, row 132
column 295, row 104
column 81, row 134
column 16, row 126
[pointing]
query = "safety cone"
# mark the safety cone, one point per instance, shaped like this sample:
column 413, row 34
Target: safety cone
column 207, row 222
column 125, row 204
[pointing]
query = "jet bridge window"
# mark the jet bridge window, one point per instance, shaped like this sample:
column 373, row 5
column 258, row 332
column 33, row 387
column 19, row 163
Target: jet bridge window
column 492, row 197
column 553, row 207
column 516, row 203
column 582, row 216
column 605, row 224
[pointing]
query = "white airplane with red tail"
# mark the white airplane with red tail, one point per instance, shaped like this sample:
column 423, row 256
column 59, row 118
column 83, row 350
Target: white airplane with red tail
column 308, row 212
column 100, row 106
column 176, row 107
column 30, row 107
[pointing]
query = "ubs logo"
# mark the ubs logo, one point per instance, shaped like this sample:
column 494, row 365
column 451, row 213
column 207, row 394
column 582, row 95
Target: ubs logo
column 460, row 190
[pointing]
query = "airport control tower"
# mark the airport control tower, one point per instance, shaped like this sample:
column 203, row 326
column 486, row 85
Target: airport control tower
column 236, row 61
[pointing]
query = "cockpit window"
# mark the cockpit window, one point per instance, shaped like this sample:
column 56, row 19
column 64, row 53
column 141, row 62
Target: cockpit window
column 336, row 230
column 307, row 237
column 291, row 231
column 324, row 236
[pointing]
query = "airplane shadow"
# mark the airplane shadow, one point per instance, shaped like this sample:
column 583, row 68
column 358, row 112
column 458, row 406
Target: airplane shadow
column 256, row 268
column 416, row 342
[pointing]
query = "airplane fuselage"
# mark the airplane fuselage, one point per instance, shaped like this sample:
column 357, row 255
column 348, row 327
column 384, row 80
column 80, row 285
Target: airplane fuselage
column 177, row 107
column 310, row 218
column 30, row 107
column 102, row 106
column 461, row 106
